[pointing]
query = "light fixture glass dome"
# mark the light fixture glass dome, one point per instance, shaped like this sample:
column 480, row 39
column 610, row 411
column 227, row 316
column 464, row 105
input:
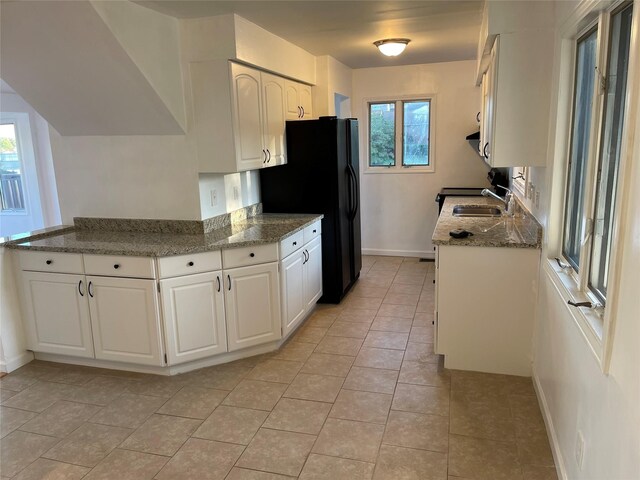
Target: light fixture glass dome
column 392, row 47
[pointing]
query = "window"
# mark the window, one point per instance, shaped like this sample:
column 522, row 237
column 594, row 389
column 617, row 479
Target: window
column 400, row 135
column 11, row 184
column 600, row 91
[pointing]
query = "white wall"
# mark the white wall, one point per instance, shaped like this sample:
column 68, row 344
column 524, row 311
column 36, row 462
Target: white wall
column 233, row 191
column 399, row 211
column 126, row 177
column 575, row 392
column 332, row 78
column 152, row 41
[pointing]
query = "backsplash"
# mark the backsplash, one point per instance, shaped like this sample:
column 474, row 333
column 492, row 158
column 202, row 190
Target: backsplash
column 192, row 227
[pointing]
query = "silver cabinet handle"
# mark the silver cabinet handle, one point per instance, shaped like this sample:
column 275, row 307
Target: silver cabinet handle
column 80, row 288
column 229, row 280
column 89, row 289
column 218, row 283
column 299, row 111
column 302, row 111
column 484, row 150
column 269, row 159
column 264, row 152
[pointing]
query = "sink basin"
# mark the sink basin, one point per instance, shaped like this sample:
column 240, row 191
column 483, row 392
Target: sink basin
column 473, row 211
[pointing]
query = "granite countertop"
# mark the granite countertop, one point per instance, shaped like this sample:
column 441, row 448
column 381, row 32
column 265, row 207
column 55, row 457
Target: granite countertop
column 520, row 231
column 260, row 229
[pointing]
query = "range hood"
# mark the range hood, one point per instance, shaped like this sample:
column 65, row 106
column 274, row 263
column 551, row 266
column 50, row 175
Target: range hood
column 474, row 141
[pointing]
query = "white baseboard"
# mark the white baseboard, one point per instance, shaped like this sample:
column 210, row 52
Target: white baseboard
column 8, row 365
column 398, row 253
column 553, row 438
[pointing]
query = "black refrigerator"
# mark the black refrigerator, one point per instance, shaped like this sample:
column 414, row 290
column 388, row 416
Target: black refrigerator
column 322, row 176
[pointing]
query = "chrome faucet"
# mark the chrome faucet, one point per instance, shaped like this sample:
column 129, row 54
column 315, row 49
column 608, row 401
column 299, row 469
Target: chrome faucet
column 507, row 200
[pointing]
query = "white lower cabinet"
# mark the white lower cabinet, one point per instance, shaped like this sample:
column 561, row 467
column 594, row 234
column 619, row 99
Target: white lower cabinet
column 313, row 272
column 194, row 320
column 125, row 320
column 301, row 280
column 57, row 314
column 252, row 305
column 293, row 297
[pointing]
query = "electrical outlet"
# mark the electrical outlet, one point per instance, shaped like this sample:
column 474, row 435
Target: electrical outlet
column 579, row 449
column 532, row 191
column 236, row 193
column 214, row 198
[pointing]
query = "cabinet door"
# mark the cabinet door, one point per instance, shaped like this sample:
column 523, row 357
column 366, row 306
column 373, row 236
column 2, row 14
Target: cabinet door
column 193, row 311
column 247, row 117
column 125, row 320
column 313, row 272
column 292, row 101
column 490, row 106
column 304, row 97
column 292, row 287
column 252, row 305
column 57, row 314
column 273, row 101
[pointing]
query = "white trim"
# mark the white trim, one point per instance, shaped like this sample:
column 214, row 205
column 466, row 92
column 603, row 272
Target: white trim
column 589, row 323
column 15, row 362
column 551, row 431
column 398, row 168
column 398, row 253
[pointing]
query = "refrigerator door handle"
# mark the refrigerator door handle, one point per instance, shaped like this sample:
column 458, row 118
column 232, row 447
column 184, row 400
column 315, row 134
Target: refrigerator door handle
column 353, row 192
column 356, row 191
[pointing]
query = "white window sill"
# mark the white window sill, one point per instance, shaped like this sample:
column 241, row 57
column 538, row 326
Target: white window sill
column 399, row 170
column 589, row 321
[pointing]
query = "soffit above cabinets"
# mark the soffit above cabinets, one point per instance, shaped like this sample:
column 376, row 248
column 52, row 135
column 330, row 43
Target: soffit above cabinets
column 66, row 61
column 440, row 31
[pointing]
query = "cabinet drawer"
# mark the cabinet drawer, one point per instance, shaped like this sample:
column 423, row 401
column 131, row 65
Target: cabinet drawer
column 312, row 231
column 240, row 257
column 291, row 244
column 188, row 264
column 119, row 266
column 51, row 262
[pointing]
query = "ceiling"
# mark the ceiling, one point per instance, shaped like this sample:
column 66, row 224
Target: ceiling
column 440, row 30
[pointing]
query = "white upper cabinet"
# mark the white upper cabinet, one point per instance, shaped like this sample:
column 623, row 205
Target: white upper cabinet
column 239, row 116
column 246, row 110
column 57, row 314
column 515, row 49
column 298, row 100
column 273, row 111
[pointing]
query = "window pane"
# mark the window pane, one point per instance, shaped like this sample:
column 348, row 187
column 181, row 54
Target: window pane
column 583, row 101
column 382, row 134
column 415, row 135
column 609, row 160
column 11, row 192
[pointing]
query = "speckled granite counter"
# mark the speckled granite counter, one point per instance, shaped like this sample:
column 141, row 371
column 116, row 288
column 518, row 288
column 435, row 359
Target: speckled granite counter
column 260, row 229
column 519, row 231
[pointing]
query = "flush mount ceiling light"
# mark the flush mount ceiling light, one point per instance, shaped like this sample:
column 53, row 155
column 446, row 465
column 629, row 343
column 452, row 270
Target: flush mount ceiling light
column 392, row 47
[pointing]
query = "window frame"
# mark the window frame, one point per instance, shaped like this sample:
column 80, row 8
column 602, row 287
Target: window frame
column 24, row 144
column 597, row 324
column 399, row 168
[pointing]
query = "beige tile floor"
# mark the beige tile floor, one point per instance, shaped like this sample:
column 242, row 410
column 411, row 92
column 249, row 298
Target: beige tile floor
column 356, row 394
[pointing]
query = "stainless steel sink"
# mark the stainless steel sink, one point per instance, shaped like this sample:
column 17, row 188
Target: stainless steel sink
column 475, row 211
